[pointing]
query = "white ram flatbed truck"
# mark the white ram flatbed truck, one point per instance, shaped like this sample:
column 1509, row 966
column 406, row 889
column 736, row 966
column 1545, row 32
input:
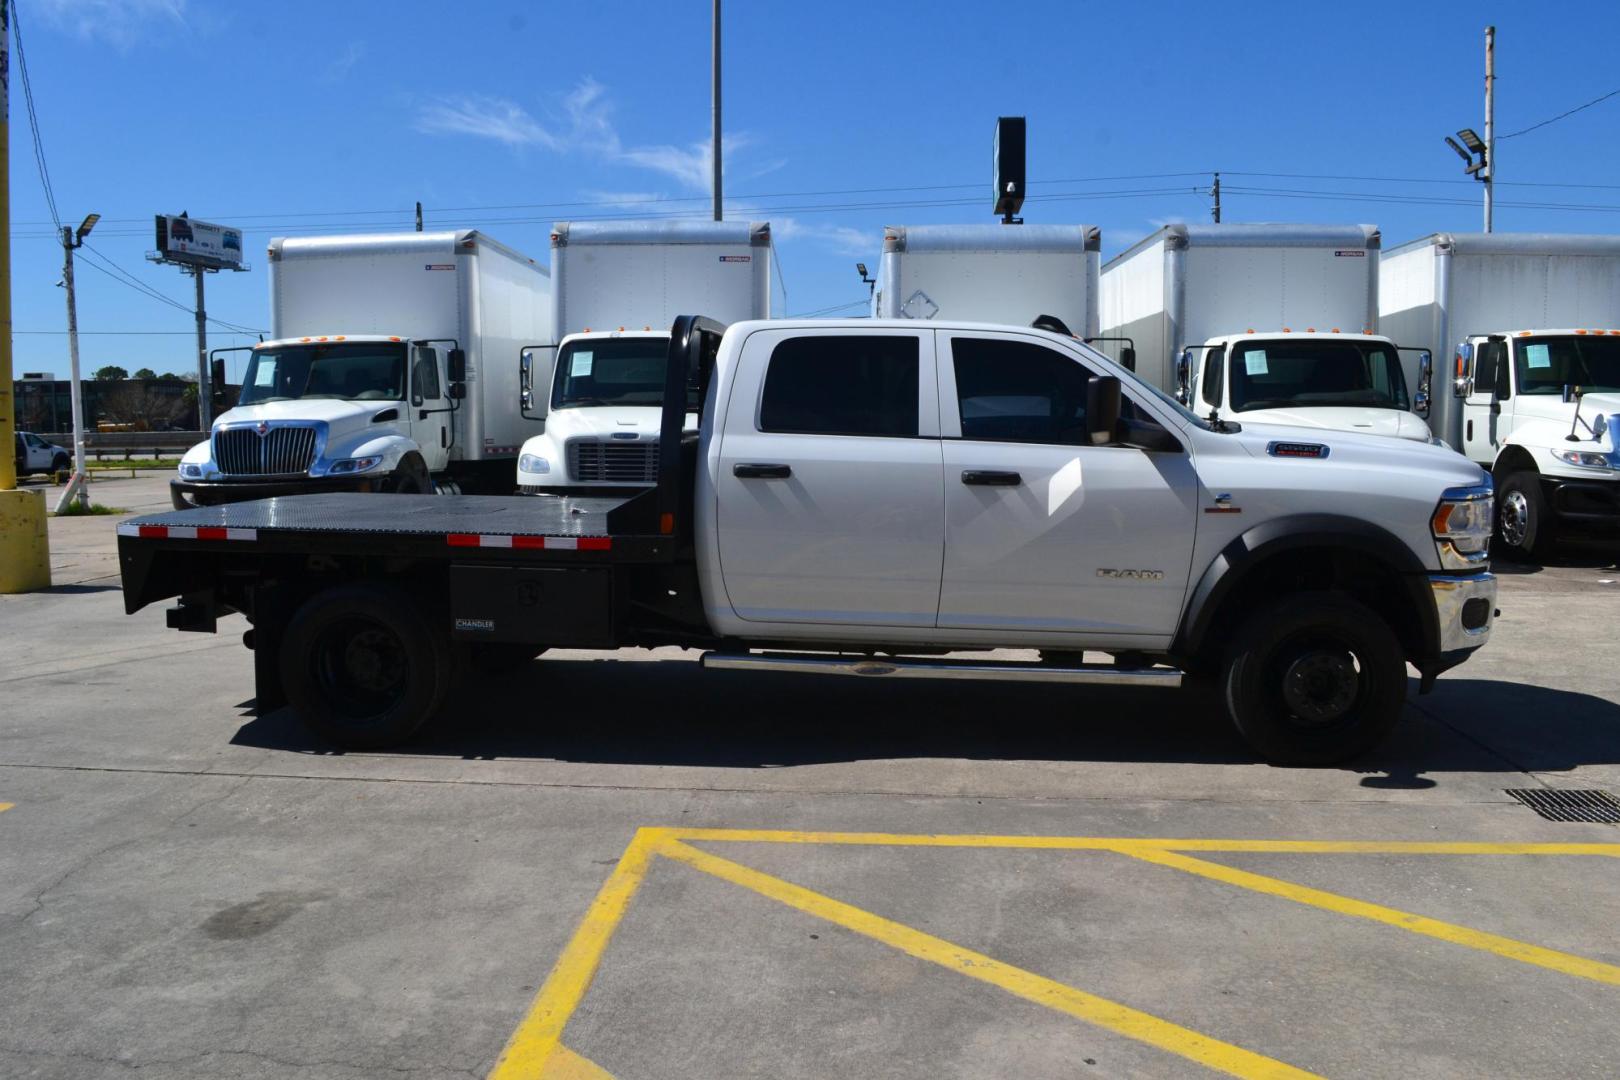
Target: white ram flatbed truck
column 862, row 496
column 1523, row 317
column 990, row 273
column 393, row 366
column 616, row 288
column 1268, row 324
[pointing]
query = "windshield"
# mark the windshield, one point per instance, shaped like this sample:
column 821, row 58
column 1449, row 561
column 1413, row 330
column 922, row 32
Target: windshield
column 346, row 372
column 1547, row 364
column 612, row 371
column 1275, row 373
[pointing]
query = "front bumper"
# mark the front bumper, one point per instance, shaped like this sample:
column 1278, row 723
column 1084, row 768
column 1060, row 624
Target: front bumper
column 186, row 494
column 1465, row 611
column 1584, row 508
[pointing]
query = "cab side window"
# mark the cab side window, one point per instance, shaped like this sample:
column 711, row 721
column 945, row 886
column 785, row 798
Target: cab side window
column 1014, row 391
column 842, row 384
column 425, row 375
column 1214, row 376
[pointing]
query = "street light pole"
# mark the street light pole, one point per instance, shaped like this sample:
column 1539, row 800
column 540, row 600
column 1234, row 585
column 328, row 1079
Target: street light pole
column 76, row 488
column 1490, row 122
column 205, row 400
column 714, row 137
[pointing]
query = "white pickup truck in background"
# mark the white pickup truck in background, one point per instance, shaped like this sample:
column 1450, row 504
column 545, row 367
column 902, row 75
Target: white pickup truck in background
column 861, row 497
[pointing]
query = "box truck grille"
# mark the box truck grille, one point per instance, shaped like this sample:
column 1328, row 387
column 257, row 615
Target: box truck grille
column 281, row 451
column 617, row 463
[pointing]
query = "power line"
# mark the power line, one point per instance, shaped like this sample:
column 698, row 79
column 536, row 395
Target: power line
column 97, row 261
column 1560, row 116
column 33, row 121
column 830, row 310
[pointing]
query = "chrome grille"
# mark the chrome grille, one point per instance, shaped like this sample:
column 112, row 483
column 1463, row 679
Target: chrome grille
column 282, row 451
column 613, row 462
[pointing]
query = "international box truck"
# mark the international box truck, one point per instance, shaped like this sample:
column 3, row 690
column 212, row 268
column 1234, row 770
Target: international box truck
column 1532, row 325
column 990, row 273
column 616, row 288
column 1267, row 324
column 392, row 367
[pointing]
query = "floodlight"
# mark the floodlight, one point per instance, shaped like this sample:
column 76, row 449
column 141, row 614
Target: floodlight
column 86, row 225
column 1465, row 155
column 1471, row 140
column 860, row 268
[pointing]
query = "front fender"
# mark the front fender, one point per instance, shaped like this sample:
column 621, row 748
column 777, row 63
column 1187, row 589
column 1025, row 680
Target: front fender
column 390, row 446
column 1537, row 439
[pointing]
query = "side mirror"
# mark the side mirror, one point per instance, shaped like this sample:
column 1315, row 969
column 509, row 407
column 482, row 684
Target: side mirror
column 1462, row 380
column 1184, row 376
column 1102, row 409
column 455, row 367
column 457, row 390
column 1127, row 358
column 1420, row 400
column 526, row 379
column 216, row 371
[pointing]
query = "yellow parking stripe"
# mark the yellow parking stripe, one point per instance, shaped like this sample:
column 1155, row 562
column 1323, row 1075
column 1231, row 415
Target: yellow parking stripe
column 1567, row 963
column 537, row 1038
column 1114, row 843
column 564, row 1064
column 4, row 806
column 1111, row 1015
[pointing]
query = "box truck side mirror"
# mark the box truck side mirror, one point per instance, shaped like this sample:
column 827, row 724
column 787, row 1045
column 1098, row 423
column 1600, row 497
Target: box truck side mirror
column 1420, row 400
column 1127, row 358
column 216, row 372
column 526, row 378
column 456, row 366
column 1462, row 378
column 1184, row 376
column 457, row 391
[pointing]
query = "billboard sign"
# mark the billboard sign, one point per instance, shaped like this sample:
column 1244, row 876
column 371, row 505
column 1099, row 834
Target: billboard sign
column 197, row 243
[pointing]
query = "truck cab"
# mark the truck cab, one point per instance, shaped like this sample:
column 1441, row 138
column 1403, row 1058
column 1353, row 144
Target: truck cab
column 35, row 455
column 356, row 412
column 603, row 411
column 1541, row 411
column 1327, row 380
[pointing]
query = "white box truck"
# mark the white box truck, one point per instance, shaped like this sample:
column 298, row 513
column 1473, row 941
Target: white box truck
column 1267, row 324
column 616, row 289
column 1530, row 322
column 990, row 273
column 393, row 366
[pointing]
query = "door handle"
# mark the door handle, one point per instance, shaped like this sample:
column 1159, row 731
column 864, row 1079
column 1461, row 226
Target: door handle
column 991, row 478
column 760, row 471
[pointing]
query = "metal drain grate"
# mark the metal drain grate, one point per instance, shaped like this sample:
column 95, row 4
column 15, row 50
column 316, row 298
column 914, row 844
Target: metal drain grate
column 1590, row 805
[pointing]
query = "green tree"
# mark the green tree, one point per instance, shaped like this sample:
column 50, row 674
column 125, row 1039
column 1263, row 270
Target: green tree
column 111, row 373
column 145, row 373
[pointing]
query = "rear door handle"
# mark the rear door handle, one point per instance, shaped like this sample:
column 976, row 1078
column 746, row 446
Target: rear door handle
column 761, row 471
column 991, row 478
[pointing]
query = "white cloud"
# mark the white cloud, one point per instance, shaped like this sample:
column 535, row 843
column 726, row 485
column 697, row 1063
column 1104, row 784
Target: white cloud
column 120, row 23
column 837, row 239
column 339, row 68
column 487, row 118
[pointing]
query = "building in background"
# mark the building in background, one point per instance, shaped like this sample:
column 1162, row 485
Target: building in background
column 164, row 403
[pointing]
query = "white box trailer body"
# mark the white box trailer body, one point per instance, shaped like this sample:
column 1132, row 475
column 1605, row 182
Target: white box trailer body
column 1441, row 289
column 461, row 286
column 617, row 288
column 990, row 273
column 1186, row 284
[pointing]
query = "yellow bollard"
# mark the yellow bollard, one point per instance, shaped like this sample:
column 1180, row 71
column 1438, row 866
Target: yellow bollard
column 25, row 549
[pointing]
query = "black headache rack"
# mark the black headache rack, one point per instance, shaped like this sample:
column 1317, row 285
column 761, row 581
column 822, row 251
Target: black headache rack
column 189, row 551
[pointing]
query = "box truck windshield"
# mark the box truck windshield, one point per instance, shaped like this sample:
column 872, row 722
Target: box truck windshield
column 1275, row 374
column 346, row 372
column 612, row 371
column 1548, row 364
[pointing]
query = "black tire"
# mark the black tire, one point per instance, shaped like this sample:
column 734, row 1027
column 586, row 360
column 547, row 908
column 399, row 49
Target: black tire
column 363, row 666
column 1524, row 529
column 61, row 463
column 406, row 482
column 1313, row 679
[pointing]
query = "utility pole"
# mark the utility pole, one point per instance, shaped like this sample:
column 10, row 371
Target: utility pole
column 205, row 399
column 76, row 487
column 1216, row 191
column 1490, row 121
column 418, row 217
column 714, row 138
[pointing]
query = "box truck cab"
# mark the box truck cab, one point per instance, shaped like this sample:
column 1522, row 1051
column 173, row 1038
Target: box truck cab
column 612, row 283
column 393, row 369
column 1541, row 411
column 1317, row 379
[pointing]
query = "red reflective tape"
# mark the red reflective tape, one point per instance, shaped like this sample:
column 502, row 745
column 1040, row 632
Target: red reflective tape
column 461, row 539
column 595, row 543
column 154, row 532
column 211, row 532
column 528, row 541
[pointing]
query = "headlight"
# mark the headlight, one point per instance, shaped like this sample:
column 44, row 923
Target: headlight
column 533, row 463
column 191, row 472
column 1462, row 526
column 353, row 465
column 1586, row 459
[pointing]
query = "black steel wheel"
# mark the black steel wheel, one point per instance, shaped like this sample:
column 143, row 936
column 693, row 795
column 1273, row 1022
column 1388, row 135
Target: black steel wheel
column 1313, row 679
column 363, row 666
column 1523, row 530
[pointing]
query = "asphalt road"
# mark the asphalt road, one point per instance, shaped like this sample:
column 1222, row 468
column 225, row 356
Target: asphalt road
column 188, row 889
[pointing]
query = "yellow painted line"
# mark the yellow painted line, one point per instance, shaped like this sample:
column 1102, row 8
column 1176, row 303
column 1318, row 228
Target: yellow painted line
column 536, row 1041
column 1110, row 1015
column 1552, row 959
column 1115, row 843
column 4, row 806
column 564, row 1064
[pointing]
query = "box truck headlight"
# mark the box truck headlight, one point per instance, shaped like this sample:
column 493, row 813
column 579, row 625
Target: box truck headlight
column 1462, row 526
column 1586, row 459
column 190, row 471
column 353, row 465
column 533, row 463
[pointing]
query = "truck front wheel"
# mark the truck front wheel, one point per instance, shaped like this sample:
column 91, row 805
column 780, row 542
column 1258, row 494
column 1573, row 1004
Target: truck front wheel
column 363, row 667
column 1314, row 679
column 1522, row 528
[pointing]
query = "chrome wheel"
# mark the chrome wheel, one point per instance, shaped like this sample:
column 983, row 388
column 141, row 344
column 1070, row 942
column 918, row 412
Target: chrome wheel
column 1514, row 518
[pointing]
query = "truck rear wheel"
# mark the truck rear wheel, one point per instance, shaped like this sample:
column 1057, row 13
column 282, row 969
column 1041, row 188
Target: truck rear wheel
column 1523, row 530
column 363, row 667
column 1314, row 679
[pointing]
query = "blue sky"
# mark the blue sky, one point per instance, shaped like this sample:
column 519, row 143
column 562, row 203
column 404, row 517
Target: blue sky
column 299, row 117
